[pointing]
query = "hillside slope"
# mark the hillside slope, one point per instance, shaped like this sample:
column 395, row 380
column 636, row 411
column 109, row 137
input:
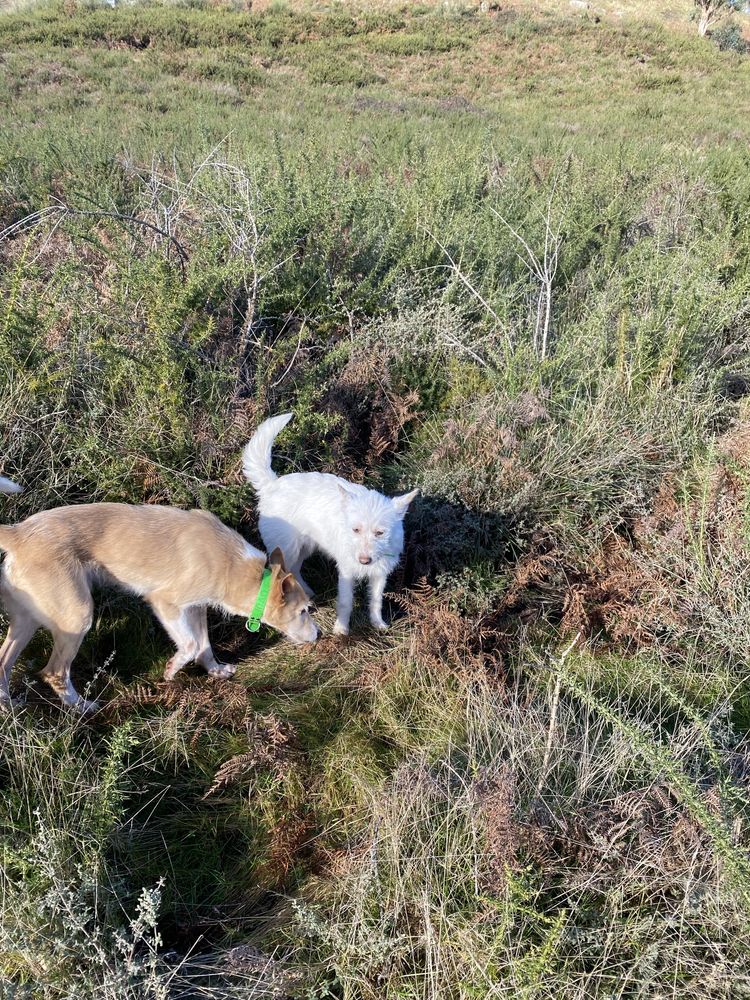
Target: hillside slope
column 502, row 257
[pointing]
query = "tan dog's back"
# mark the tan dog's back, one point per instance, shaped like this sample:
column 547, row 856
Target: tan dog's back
column 130, row 544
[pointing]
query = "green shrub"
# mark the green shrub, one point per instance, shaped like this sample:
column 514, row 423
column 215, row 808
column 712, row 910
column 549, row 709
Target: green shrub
column 729, row 37
column 335, row 71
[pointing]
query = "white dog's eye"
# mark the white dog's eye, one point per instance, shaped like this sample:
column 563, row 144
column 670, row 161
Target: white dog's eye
column 356, row 530
column 378, row 534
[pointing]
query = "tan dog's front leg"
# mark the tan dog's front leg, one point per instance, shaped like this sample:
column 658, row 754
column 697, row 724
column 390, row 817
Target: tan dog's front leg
column 177, row 625
column 198, row 621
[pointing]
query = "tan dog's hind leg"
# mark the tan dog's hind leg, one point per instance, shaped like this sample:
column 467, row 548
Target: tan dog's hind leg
column 198, row 619
column 57, row 671
column 22, row 627
column 68, row 622
column 64, row 607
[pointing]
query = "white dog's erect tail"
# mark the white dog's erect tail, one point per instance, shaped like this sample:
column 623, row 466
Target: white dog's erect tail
column 8, row 486
column 256, row 458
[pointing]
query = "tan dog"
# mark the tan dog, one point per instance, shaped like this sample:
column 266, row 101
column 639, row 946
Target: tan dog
column 179, row 561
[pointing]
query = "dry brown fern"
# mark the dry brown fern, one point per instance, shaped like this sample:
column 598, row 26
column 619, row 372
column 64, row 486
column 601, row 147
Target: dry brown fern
column 231, row 771
column 199, row 704
column 272, row 746
column 445, row 639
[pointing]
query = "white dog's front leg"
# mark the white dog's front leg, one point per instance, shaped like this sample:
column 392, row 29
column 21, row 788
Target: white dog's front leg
column 377, row 586
column 344, row 603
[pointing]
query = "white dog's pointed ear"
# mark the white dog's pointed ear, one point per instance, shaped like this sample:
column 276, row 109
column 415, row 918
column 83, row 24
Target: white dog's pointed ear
column 277, row 559
column 402, row 503
column 346, row 495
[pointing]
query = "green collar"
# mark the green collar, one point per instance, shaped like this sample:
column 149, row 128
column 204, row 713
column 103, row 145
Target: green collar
column 253, row 622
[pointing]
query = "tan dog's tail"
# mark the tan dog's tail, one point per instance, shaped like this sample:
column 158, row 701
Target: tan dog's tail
column 7, row 531
column 8, row 486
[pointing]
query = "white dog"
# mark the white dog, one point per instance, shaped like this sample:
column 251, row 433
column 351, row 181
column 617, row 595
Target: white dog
column 360, row 529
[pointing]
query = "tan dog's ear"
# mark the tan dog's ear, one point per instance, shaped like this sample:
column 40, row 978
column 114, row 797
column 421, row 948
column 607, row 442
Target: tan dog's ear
column 283, row 584
column 277, row 559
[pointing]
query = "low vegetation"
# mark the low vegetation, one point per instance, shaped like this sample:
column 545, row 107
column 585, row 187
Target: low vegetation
column 500, row 255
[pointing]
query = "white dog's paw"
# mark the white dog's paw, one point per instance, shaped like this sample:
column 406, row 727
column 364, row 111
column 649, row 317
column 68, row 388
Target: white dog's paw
column 379, row 624
column 8, row 704
column 85, row 707
column 340, row 629
column 222, row 670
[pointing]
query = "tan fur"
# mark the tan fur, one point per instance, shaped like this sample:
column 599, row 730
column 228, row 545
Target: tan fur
column 179, row 561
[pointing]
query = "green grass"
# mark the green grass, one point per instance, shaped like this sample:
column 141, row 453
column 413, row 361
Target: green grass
column 535, row 784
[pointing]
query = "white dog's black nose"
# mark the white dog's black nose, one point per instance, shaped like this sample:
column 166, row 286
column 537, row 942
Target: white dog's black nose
column 365, row 560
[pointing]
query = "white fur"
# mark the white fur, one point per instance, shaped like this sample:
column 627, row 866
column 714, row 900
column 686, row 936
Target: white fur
column 306, row 511
column 8, row 486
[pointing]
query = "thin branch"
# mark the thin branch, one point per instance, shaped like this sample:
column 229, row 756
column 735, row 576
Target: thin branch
column 543, row 270
column 456, row 269
column 101, row 214
column 553, row 714
column 27, row 222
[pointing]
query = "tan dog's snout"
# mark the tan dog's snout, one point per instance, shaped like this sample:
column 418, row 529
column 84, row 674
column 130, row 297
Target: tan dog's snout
column 310, row 632
column 292, row 607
